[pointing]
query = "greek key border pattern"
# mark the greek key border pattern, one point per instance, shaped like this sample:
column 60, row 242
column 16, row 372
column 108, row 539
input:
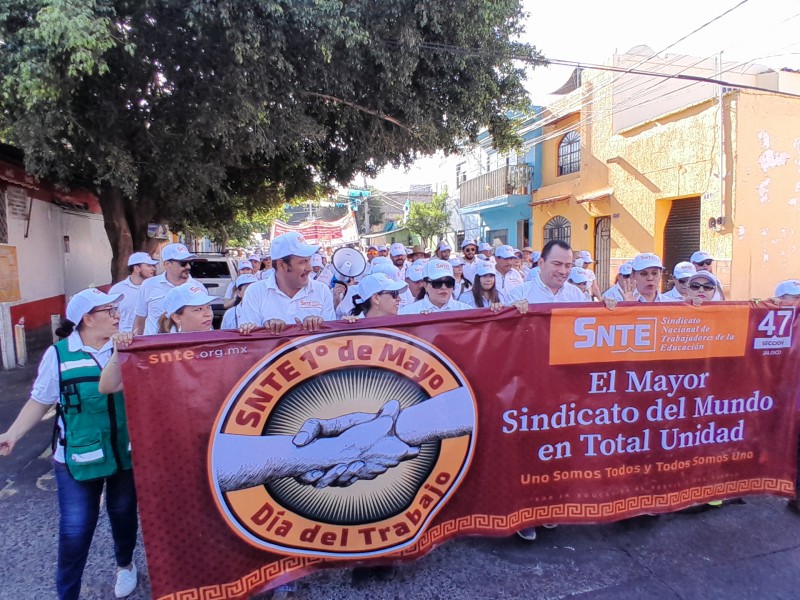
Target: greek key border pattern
column 259, row 578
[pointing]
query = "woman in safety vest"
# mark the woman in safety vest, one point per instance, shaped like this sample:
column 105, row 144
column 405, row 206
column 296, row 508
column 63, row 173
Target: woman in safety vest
column 91, row 448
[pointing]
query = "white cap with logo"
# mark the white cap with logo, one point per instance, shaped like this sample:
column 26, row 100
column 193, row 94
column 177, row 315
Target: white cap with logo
column 416, row 272
column 578, row 275
column 790, row 287
column 466, row 243
column 456, row 262
column 397, row 249
column 87, row 300
column 378, row 282
column 141, row 258
column 704, row 274
column 176, row 252
column 626, row 268
column 484, row 246
column 504, row 251
column 587, row 257
column 436, row 269
column 188, row 294
column 700, row 256
column 291, row 243
column 444, row 246
column 647, row 260
column 245, row 279
column 316, row 260
column 683, row 270
column 485, row 268
column 244, row 264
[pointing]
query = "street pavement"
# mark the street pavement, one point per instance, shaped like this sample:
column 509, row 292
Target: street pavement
column 748, row 549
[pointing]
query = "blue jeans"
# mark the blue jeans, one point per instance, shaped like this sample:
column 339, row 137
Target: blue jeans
column 79, row 505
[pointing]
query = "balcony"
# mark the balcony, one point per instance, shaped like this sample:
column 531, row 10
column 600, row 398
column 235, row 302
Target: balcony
column 511, row 180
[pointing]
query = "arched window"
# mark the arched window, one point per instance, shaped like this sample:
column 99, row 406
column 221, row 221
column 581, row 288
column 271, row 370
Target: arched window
column 569, row 154
column 558, row 228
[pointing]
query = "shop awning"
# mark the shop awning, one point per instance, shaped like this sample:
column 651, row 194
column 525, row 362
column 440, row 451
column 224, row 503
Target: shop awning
column 551, row 200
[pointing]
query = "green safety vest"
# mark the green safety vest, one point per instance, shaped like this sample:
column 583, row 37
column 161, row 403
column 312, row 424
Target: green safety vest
column 96, row 442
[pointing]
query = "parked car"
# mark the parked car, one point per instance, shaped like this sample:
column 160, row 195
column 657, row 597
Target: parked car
column 215, row 271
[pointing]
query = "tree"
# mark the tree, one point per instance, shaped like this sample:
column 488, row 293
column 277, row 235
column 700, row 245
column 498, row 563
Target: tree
column 429, row 220
column 190, row 112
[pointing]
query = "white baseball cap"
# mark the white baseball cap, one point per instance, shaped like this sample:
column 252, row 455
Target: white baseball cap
column 187, row 294
column 375, row 283
column 578, row 275
column 646, row 261
column 436, row 269
column 578, row 262
column 176, row 252
column 372, row 247
column 381, row 260
column 790, row 287
column 416, row 272
column 385, row 268
column 444, row 246
column 484, row 246
column 587, row 257
column 397, row 249
column 245, row 279
column 457, row 262
column 466, row 243
column 87, row 300
column 316, row 260
column 504, row 251
column 536, row 256
column 382, row 248
column 626, row 268
column 254, row 257
column 683, row 270
column 485, row 268
column 707, row 274
column 701, row 256
column 291, row 243
column 409, row 250
column 141, row 258
column 244, row 264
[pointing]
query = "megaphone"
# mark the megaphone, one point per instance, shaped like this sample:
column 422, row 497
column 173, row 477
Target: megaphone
column 348, row 262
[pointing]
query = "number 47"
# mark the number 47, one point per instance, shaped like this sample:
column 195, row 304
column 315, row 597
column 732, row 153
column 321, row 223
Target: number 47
column 768, row 324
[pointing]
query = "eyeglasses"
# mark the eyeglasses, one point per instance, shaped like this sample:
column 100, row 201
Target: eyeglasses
column 706, row 287
column 393, row 293
column 113, row 312
column 706, row 263
column 446, row 282
column 683, row 281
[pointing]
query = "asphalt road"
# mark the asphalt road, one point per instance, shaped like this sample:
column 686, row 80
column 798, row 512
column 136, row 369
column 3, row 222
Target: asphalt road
column 744, row 550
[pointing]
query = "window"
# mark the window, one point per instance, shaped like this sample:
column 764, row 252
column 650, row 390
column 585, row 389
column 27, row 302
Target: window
column 461, row 173
column 569, row 154
column 558, row 228
column 497, row 237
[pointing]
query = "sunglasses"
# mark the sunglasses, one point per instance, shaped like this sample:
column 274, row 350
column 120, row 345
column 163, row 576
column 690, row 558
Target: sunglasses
column 705, row 263
column 182, row 263
column 683, row 281
column 625, row 276
column 446, row 282
column 393, row 293
column 113, row 312
column 706, row 287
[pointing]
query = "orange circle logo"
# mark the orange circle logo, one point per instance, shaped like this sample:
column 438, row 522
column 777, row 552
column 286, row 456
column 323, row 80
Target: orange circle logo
column 342, row 444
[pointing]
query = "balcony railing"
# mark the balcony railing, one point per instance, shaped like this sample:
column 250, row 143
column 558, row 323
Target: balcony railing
column 505, row 181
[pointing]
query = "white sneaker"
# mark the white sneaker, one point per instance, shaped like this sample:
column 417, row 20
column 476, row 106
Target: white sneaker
column 126, row 582
column 529, row 533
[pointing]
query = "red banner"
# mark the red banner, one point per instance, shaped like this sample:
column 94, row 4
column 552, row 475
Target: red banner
column 262, row 458
column 317, row 232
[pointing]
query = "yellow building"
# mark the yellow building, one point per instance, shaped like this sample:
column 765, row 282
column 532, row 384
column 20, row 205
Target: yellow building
column 631, row 164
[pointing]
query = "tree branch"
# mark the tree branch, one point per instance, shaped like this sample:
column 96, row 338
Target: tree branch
column 369, row 111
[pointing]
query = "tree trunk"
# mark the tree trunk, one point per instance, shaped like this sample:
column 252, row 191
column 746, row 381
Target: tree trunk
column 126, row 222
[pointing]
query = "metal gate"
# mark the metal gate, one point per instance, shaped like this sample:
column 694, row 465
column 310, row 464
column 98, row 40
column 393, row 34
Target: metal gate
column 681, row 235
column 602, row 252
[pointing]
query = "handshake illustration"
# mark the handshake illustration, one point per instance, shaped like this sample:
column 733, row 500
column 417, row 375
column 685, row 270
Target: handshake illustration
column 340, row 451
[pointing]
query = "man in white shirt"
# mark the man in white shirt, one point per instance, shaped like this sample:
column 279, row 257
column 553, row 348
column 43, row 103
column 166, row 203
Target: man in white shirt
column 507, row 276
column 550, row 283
column 443, row 251
column 486, row 249
column 680, row 275
column 439, row 284
column 150, row 306
column 615, row 292
column 141, row 266
column 469, row 249
column 397, row 252
column 289, row 296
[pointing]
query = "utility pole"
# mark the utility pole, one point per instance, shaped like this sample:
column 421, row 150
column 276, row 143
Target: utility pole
column 366, row 209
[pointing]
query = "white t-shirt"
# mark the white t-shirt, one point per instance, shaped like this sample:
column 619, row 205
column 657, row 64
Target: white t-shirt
column 461, row 291
column 264, row 301
column 46, row 385
column 469, row 269
column 614, row 293
column 506, row 283
column 536, row 292
column 127, row 306
column 347, row 304
column 232, row 317
column 406, row 298
column 469, row 299
column 425, row 305
column 151, row 300
column 674, row 296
